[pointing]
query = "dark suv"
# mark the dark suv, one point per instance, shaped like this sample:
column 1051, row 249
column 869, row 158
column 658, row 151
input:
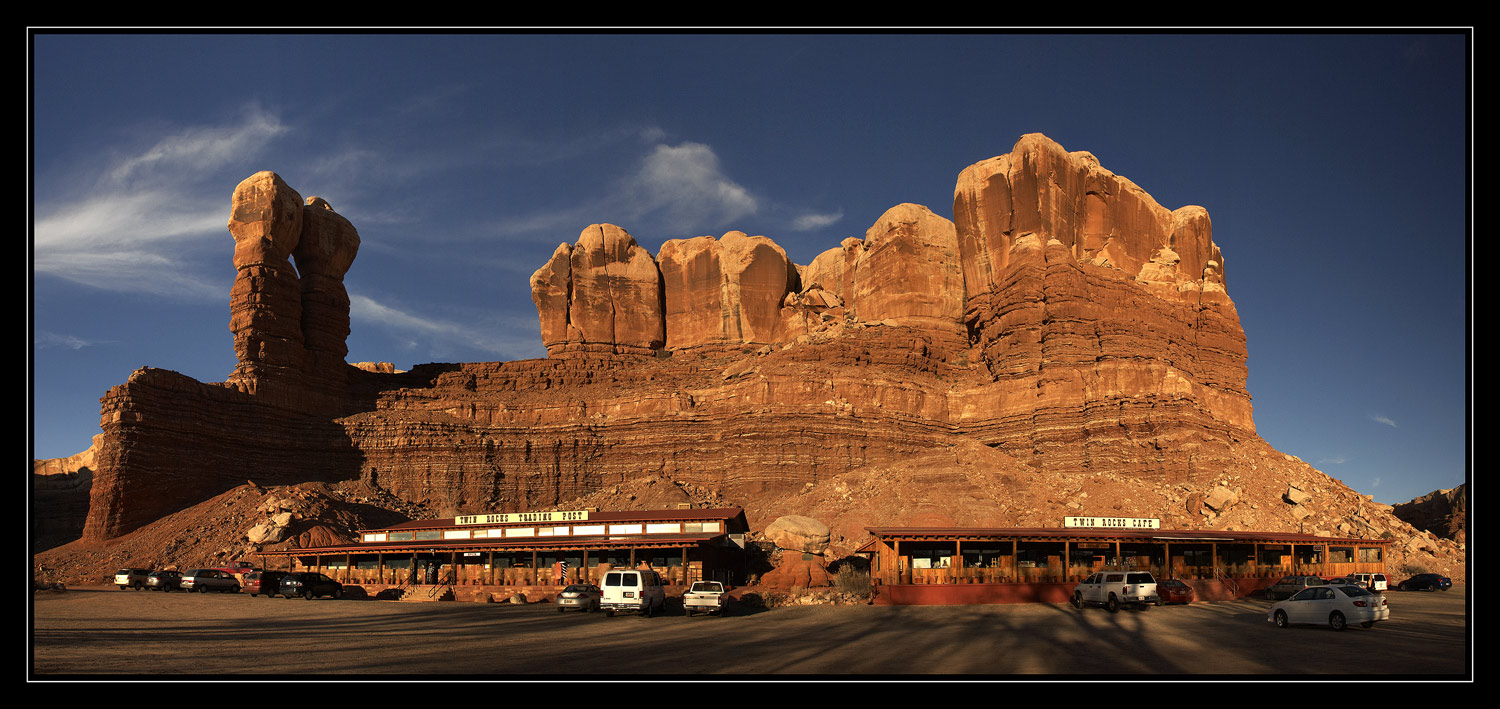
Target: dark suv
column 1427, row 582
column 309, row 585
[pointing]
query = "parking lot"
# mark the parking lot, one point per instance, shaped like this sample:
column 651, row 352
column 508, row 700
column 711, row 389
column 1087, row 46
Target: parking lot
column 106, row 631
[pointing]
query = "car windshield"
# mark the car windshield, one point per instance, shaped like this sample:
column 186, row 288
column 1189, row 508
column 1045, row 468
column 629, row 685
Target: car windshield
column 1139, row 578
column 1353, row 591
column 709, row 586
column 575, row 589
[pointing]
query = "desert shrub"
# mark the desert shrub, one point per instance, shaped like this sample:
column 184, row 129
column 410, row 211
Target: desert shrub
column 1412, row 568
column 852, row 581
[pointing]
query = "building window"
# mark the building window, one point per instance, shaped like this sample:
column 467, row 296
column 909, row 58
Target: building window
column 429, row 534
column 1369, row 555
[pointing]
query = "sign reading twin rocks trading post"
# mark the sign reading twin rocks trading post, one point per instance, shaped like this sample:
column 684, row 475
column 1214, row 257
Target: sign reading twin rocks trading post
column 1112, row 522
column 507, row 517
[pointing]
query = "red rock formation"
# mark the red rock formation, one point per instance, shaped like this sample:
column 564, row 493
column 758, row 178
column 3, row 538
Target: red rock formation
column 265, row 304
column 601, row 295
column 726, row 291
column 1063, row 325
column 908, row 270
column 327, row 248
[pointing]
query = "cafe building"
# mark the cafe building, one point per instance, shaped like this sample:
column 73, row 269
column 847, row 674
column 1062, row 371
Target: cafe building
column 917, row 565
column 535, row 553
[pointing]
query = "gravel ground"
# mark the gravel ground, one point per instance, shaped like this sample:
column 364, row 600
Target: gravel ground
column 103, row 631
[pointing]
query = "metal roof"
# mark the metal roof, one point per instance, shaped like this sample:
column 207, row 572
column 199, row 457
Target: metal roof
column 1070, row 533
column 620, row 541
column 668, row 515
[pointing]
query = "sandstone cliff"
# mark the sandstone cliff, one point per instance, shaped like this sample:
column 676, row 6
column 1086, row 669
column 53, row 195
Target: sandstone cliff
column 1444, row 513
column 1064, row 345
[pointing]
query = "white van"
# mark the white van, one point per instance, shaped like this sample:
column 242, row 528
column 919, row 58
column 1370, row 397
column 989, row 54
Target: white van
column 634, row 591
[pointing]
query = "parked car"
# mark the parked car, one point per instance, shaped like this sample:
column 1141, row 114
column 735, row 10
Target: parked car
column 583, row 596
column 705, row 597
column 205, row 580
column 1340, row 581
column 132, row 578
column 310, row 585
column 1113, row 589
column 1290, row 586
column 258, row 582
column 1175, row 591
column 1426, row 582
column 633, row 591
column 1338, row 606
column 167, row 581
column 1372, row 582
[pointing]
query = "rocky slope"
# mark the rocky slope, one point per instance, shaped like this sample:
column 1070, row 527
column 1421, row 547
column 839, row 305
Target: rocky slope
column 1064, row 345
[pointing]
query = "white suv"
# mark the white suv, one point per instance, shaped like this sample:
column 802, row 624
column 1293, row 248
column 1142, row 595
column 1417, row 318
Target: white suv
column 1113, row 589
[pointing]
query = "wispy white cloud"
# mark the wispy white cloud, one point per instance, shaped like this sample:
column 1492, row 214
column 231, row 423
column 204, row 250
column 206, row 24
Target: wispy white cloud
column 678, row 189
column 43, row 340
column 1333, row 461
column 1376, row 483
column 1377, row 418
column 201, row 148
column 440, row 335
column 809, row 222
column 130, row 232
column 686, row 185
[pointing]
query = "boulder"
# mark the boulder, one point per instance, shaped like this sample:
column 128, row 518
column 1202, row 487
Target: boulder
column 798, row 533
column 1295, row 496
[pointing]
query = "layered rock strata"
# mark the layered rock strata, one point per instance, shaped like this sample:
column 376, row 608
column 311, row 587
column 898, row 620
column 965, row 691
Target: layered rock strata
column 1063, row 320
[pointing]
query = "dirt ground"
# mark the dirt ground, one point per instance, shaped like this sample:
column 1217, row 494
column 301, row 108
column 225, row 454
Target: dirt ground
column 103, row 631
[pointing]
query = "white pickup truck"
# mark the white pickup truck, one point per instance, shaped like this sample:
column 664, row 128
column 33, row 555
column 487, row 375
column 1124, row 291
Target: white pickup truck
column 705, row 597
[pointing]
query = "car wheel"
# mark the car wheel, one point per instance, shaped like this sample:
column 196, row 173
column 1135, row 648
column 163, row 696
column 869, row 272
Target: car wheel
column 1337, row 622
column 202, row 589
column 1077, row 600
column 232, row 589
column 338, row 593
column 1112, row 605
column 307, row 595
column 1281, row 620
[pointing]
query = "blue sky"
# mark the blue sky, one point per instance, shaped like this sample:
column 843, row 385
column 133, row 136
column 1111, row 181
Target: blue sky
column 1336, row 169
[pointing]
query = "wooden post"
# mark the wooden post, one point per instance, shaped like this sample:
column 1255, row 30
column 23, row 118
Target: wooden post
column 898, row 570
column 348, row 565
column 380, row 565
column 534, row 569
column 583, row 572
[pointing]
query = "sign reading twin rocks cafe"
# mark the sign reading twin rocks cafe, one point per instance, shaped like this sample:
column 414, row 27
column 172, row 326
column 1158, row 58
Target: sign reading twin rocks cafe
column 1112, row 523
column 508, row 517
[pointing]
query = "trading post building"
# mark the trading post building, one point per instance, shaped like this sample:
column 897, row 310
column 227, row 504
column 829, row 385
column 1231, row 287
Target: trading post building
column 920, row 565
column 468, row 556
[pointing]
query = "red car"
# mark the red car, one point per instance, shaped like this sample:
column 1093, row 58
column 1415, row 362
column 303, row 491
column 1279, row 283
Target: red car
column 267, row 582
column 1174, row 591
